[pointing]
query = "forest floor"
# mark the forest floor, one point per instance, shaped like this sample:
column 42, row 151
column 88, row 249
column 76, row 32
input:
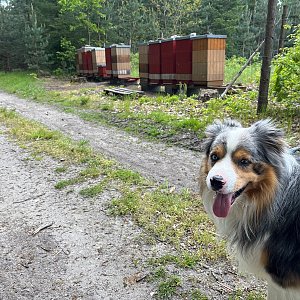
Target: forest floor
column 57, row 245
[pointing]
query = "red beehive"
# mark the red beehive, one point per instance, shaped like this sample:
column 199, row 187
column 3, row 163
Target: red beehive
column 108, row 61
column 89, row 62
column 143, row 63
column 154, row 56
column 183, row 59
column 85, row 57
column 168, row 60
column 102, row 71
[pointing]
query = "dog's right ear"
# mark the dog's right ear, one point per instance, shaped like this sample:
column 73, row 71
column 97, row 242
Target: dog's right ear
column 215, row 129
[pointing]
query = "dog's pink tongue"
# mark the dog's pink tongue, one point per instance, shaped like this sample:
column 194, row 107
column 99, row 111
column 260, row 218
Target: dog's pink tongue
column 222, row 205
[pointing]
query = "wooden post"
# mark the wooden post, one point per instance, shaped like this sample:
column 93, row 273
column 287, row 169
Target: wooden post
column 282, row 29
column 267, row 58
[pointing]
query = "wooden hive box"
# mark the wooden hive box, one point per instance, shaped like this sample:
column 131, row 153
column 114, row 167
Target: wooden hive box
column 85, row 59
column 168, row 61
column 98, row 58
column 208, row 60
column 143, row 60
column 108, row 62
column 183, row 59
column 120, row 60
column 154, row 57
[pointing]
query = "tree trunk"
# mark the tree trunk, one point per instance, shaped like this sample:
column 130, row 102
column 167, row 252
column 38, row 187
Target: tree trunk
column 267, row 58
column 282, row 29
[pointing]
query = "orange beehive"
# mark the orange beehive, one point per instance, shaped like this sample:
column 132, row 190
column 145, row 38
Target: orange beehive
column 208, row 59
column 120, row 60
column 98, row 58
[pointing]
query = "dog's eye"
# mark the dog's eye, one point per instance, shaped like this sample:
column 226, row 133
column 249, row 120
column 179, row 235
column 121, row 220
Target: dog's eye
column 244, row 162
column 214, row 157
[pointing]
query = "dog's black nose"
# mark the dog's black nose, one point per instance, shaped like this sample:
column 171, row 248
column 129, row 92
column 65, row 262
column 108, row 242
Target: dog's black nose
column 217, row 182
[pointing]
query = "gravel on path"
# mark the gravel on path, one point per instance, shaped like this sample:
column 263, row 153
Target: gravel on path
column 57, row 244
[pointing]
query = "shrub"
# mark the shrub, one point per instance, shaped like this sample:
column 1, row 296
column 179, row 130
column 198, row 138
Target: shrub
column 285, row 80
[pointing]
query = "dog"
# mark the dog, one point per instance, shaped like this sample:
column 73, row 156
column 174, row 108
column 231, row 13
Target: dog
column 250, row 185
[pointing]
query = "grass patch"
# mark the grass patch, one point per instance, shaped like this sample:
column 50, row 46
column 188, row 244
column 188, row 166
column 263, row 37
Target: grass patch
column 67, row 182
column 171, row 117
column 175, row 218
column 167, row 288
column 61, row 169
column 94, row 190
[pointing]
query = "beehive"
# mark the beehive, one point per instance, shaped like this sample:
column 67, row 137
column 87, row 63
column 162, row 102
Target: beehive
column 84, row 59
column 143, row 60
column 120, row 61
column 168, row 60
column 154, row 57
column 183, row 59
column 78, row 57
column 102, row 72
column 108, row 61
column 98, row 58
column 208, row 59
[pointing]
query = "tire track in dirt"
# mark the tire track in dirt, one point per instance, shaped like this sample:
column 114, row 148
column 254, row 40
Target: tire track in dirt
column 177, row 166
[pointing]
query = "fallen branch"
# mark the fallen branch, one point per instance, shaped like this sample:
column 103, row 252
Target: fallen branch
column 42, row 228
column 242, row 69
column 30, row 198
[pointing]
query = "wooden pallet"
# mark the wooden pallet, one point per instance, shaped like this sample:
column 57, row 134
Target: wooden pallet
column 122, row 91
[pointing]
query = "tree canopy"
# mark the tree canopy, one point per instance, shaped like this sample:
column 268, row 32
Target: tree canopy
column 35, row 33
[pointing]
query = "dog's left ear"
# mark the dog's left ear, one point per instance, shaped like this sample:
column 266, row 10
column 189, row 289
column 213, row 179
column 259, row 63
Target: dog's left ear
column 215, row 129
column 269, row 138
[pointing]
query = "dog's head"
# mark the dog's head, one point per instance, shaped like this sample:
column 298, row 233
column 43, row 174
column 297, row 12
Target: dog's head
column 242, row 161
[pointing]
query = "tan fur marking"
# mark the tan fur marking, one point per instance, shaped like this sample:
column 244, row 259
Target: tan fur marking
column 292, row 280
column 264, row 258
column 204, row 169
column 241, row 154
column 262, row 189
column 219, row 150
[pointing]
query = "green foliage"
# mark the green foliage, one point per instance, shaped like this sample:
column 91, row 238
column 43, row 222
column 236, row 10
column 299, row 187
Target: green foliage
column 285, row 80
column 134, row 61
column 167, row 288
column 36, row 42
column 250, row 75
column 66, row 56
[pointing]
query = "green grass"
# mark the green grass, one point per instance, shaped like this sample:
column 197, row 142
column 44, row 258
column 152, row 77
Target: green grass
column 161, row 116
column 249, row 76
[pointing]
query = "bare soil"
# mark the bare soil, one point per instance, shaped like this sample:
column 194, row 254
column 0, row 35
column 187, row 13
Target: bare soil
column 57, row 245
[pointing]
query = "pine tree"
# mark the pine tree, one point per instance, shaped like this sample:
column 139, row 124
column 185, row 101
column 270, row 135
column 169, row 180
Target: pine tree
column 35, row 44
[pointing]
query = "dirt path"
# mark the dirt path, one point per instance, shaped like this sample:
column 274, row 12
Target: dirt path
column 176, row 165
column 59, row 245
column 55, row 245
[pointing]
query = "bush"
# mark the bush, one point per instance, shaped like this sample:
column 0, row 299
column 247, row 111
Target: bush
column 285, row 79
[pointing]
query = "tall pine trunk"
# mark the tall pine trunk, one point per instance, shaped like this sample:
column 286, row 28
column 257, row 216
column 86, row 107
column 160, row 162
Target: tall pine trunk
column 267, row 58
